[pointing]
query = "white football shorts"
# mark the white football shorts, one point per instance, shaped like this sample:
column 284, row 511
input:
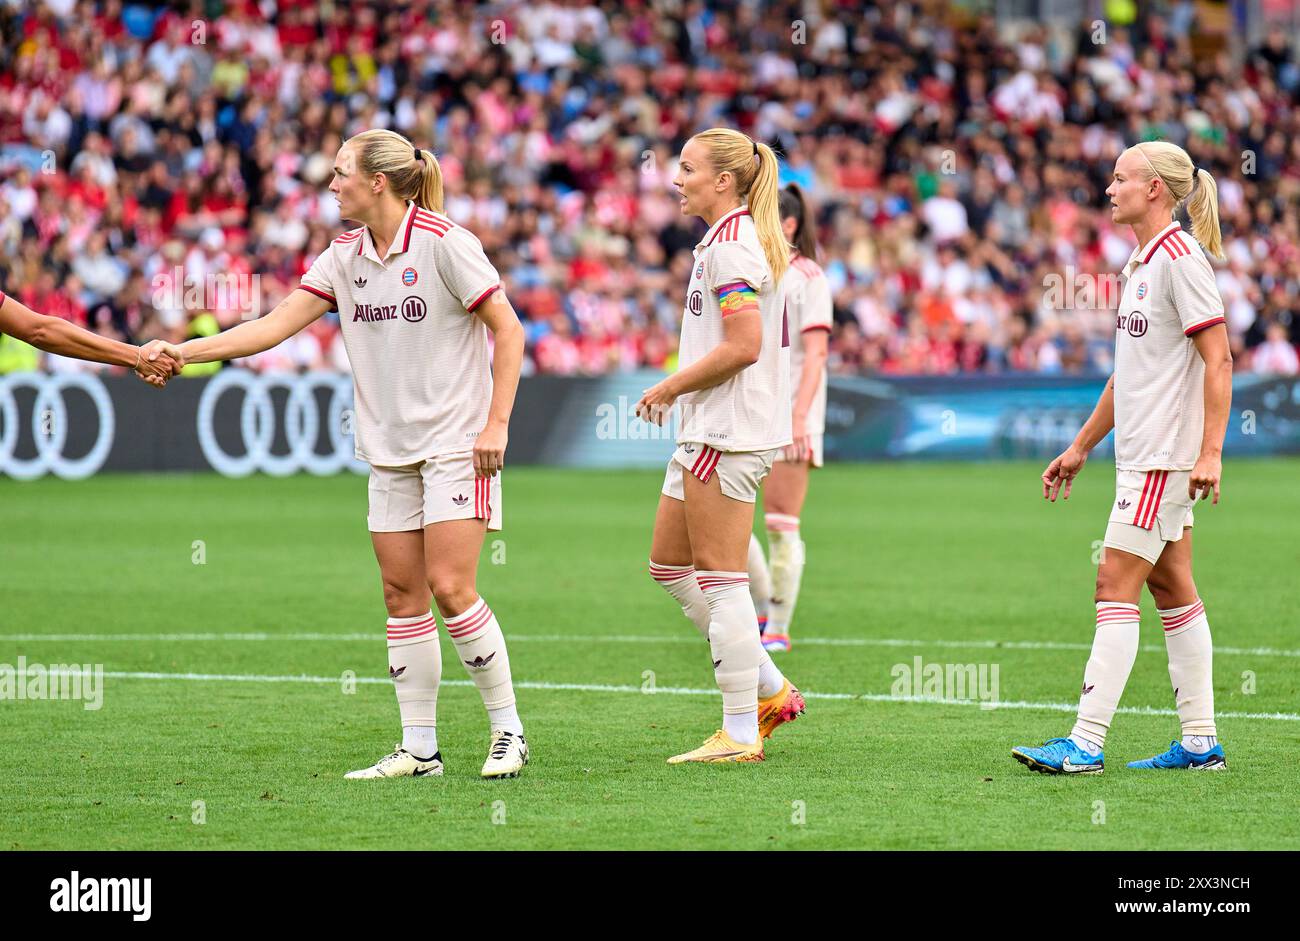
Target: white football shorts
column 432, row 491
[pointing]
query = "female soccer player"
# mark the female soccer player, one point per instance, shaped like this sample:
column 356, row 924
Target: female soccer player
column 809, row 313
column 734, row 387
column 1168, row 402
column 64, row 339
column 416, row 296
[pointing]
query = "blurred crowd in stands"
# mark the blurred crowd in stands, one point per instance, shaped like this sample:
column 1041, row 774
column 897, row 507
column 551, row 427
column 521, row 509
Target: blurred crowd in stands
column 957, row 164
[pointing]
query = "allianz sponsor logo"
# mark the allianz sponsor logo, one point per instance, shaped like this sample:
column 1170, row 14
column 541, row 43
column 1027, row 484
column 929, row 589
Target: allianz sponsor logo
column 35, row 681
column 77, row 894
column 373, row 313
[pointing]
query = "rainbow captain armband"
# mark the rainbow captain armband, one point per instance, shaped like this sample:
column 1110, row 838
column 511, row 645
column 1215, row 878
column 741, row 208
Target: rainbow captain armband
column 737, row 298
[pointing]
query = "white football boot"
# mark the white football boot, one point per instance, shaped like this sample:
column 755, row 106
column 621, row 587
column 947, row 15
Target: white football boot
column 507, row 754
column 400, row 764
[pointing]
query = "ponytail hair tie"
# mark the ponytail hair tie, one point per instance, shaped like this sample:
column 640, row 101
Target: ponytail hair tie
column 417, row 153
column 755, row 143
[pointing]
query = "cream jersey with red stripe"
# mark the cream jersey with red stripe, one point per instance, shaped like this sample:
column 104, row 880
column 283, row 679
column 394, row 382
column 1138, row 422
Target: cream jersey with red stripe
column 807, row 307
column 751, row 410
column 419, row 358
column 1169, row 294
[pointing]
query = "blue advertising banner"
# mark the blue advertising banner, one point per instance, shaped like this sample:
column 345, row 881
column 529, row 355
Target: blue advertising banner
column 238, row 422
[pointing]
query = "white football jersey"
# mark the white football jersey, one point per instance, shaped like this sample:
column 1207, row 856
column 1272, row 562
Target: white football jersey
column 751, row 410
column 1169, row 294
column 808, row 306
column 419, row 357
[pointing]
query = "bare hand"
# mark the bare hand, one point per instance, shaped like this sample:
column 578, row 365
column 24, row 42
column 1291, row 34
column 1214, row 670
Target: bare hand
column 1205, row 478
column 156, row 364
column 1063, row 470
column 490, row 450
column 655, row 403
column 800, row 449
column 159, row 361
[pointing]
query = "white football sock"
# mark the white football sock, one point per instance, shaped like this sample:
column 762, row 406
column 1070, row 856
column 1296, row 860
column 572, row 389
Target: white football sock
column 1114, row 648
column 482, row 649
column 1191, row 669
column 760, row 580
column 679, row 581
column 1199, row 744
column 415, row 666
column 787, row 561
column 420, row 740
column 736, row 650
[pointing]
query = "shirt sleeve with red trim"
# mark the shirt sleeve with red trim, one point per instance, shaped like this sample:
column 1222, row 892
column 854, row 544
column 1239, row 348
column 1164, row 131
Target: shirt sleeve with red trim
column 322, row 277
column 1193, row 292
column 465, row 269
column 730, row 262
column 816, row 311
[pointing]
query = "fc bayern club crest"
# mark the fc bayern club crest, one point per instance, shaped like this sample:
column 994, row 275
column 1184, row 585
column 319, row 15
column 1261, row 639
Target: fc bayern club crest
column 409, row 277
column 1142, row 290
column 699, row 270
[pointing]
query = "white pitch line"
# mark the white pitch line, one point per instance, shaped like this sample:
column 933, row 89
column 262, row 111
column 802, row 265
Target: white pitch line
column 666, row 691
column 634, row 639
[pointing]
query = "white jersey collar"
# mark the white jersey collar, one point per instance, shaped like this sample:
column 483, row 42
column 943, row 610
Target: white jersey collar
column 401, row 241
column 1142, row 254
column 709, row 236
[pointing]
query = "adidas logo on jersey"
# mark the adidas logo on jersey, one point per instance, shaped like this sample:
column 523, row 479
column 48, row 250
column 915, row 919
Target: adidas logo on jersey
column 360, row 283
column 459, row 500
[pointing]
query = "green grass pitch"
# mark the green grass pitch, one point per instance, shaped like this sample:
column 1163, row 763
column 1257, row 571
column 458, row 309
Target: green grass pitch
column 945, row 562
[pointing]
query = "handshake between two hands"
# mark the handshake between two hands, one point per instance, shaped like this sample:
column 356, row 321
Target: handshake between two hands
column 158, row 361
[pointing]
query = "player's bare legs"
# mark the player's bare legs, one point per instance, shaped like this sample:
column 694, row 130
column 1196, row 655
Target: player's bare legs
column 1170, row 579
column 451, row 554
column 1191, row 660
column 401, row 567
column 675, row 561
column 414, row 656
column 784, row 492
column 452, row 550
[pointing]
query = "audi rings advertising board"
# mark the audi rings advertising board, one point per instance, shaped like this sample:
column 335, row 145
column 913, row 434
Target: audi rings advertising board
column 73, row 425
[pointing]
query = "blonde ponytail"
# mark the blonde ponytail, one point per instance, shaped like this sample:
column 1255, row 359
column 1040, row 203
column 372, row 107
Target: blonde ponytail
column 755, row 169
column 1187, row 184
column 1203, row 208
column 412, row 173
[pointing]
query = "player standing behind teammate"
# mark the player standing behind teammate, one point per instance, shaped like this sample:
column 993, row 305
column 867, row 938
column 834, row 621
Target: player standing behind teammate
column 416, row 296
column 809, row 314
column 734, row 385
column 1168, row 402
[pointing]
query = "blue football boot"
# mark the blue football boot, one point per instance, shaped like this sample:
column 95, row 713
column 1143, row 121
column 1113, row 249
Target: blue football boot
column 1058, row 756
column 1179, row 757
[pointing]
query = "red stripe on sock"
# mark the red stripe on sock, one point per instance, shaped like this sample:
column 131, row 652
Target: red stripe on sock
column 410, row 627
column 470, row 625
column 1186, row 617
column 407, row 635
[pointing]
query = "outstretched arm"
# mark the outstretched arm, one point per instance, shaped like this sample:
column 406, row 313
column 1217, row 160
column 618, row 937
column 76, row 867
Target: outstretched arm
column 1066, row 467
column 292, row 314
column 64, row 339
column 507, row 359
